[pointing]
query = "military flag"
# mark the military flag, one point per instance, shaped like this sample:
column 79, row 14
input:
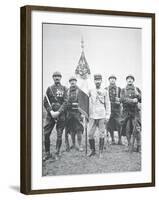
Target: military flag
column 82, row 73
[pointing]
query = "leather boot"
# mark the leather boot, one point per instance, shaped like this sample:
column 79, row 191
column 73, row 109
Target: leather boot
column 79, row 139
column 47, row 148
column 119, row 137
column 58, row 146
column 112, row 137
column 101, row 146
column 47, row 156
column 138, row 149
column 119, row 141
column 73, row 138
column 67, row 141
column 92, row 147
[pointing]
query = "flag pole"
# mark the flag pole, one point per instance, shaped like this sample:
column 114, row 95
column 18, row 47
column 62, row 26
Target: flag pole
column 85, row 124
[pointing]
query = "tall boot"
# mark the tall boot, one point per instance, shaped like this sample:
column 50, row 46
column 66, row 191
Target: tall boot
column 112, row 137
column 101, row 146
column 138, row 149
column 119, row 136
column 79, row 139
column 138, row 140
column 47, row 147
column 67, row 141
column 92, row 147
column 58, row 146
column 73, row 138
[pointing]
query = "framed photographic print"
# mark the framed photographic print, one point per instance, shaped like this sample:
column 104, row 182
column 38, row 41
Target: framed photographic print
column 87, row 99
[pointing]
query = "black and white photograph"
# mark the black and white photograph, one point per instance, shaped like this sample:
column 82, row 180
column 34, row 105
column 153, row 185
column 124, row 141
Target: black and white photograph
column 88, row 92
column 92, row 99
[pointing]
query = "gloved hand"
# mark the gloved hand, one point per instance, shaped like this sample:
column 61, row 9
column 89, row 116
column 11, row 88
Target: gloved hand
column 54, row 114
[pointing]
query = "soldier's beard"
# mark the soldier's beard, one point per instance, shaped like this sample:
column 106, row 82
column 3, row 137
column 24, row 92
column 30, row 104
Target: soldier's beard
column 98, row 85
column 57, row 82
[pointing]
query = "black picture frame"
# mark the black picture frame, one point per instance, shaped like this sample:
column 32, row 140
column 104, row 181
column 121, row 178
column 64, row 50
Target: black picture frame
column 26, row 107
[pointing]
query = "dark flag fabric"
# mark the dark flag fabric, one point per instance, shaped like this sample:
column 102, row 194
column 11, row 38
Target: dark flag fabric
column 82, row 73
column 83, row 103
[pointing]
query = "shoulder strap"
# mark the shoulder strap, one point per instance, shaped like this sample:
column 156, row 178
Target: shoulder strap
column 48, row 100
column 137, row 91
column 54, row 96
column 68, row 92
column 117, row 91
column 100, row 99
column 51, row 91
column 77, row 92
column 124, row 91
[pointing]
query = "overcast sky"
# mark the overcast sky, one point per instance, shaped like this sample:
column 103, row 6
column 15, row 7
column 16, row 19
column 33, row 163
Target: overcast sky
column 107, row 50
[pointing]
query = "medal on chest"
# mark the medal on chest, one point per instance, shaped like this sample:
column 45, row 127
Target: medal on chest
column 130, row 93
column 59, row 93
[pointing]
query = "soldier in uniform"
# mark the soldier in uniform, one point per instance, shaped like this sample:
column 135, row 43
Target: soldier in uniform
column 114, row 121
column 99, row 114
column 74, row 124
column 131, row 119
column 55, row 102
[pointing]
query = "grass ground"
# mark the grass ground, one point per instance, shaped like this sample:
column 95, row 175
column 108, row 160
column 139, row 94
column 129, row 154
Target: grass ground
column 115, row 159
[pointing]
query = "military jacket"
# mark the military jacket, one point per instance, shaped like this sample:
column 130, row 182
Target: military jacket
column 127, row 96
column 74, row 117
column 55, row 98
column 99, row 104
column 72, row 94
column 114, row 92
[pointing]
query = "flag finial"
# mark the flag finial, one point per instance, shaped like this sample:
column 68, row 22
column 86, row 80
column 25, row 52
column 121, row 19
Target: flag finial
column 82, row 44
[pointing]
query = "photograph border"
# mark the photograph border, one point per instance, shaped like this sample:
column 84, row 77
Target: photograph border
column 26, row 107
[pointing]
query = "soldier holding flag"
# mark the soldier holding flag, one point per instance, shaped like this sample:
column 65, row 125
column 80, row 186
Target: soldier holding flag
column 74, row 124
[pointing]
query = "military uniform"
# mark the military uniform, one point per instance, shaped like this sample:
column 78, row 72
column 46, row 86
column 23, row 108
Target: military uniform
column 74, row 124
column 114, row 121
column 99, row 112
column 55, row 99
column 131, row 116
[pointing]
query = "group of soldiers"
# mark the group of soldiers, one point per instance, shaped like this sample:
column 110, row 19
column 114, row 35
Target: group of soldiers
column 110, row 109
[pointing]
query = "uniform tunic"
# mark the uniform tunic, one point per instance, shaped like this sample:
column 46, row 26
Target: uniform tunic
column 99, row 111
column 99, row 104
column 131, row 111
column 74, row 119
column 56, row 100
column 114, row 121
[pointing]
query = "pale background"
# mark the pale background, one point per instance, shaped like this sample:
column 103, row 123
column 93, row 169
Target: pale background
column 10, row 104
column 107, row 50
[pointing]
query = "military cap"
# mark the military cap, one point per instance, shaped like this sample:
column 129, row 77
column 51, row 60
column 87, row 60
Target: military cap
column 97, row 76
column 130, row 76
column 72, row 78
column 57, row 74
column 112, row 76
